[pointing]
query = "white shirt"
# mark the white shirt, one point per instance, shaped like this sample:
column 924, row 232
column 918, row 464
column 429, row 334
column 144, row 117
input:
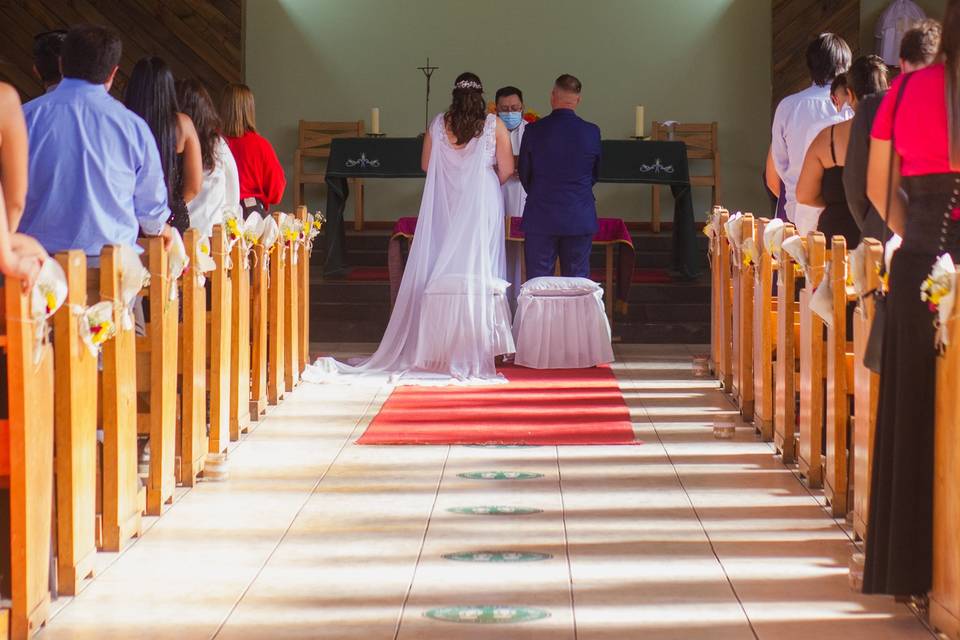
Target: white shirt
column 514, row 197
column 898, row 18
column 798, row 120
column 220, row 189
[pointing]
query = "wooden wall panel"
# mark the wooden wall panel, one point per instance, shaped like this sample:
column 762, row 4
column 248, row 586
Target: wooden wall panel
column 795, row 24
column 198, row 38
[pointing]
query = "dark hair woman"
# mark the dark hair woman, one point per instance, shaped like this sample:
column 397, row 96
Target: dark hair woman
column 821, row 179
column 151, row 94
column 261, row 176
column 465, row 119
column 221, row 184
column 916, row 134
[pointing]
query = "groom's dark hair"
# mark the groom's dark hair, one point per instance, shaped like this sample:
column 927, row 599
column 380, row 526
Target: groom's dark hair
column 568, row 83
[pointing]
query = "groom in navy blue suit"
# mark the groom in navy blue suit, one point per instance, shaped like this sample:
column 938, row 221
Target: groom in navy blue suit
column 559, row 164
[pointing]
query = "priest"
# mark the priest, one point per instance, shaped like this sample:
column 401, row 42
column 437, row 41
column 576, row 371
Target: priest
column 509, row 101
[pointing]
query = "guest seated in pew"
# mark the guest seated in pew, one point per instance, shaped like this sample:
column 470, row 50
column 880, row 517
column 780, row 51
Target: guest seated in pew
column 152, row 95
column 94, row 169
column 917, row 50
column 261, row 177
column 46, row 57
column 221, row 183
column 918, row 121
column 821, row 180
column 801, row 116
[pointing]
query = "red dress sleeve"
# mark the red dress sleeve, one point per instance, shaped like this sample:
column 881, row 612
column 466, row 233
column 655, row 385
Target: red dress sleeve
column 883, row 122
column 274, row 180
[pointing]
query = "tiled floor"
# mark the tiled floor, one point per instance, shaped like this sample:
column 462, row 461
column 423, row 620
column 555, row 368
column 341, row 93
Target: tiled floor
column 684, row 537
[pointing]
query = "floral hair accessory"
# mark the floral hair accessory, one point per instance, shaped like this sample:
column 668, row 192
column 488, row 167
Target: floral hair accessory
column 468, row 84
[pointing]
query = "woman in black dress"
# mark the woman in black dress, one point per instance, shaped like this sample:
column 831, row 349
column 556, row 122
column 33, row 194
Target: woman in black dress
column 919, row 123
column 152, row 95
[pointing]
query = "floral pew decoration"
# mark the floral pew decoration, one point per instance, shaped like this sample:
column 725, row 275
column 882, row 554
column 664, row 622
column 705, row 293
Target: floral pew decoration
column 47, row 296
column 939, row 291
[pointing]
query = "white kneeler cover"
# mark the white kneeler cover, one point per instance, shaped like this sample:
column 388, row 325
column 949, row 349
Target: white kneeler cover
column 561, row 324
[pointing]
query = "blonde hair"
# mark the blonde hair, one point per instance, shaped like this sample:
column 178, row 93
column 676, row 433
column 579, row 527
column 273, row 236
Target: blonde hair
column 237, row 110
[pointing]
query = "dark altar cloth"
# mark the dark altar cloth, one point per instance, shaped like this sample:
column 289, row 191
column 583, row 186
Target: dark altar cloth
column 622, row 162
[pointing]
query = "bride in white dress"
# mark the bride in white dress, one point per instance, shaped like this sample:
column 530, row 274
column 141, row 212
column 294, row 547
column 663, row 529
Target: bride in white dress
column 451, row 318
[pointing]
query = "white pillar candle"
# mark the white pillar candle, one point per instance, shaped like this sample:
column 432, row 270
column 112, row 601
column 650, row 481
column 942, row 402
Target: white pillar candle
column 375, row 120
column 639, row 123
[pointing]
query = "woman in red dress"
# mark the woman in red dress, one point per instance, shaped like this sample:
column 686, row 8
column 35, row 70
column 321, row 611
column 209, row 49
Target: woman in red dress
column 922, row 131
column 261, row 177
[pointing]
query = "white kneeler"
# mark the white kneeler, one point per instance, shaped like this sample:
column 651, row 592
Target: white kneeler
column 561, row 324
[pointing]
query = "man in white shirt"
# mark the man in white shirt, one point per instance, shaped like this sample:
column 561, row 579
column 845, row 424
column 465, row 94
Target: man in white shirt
column 801, row 116
column 510, row 109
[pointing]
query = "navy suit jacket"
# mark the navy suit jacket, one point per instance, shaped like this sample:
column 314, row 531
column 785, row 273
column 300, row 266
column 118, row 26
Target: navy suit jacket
column 559, row 164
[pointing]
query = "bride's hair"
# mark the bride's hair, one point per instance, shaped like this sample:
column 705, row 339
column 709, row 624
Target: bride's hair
column 468, row 111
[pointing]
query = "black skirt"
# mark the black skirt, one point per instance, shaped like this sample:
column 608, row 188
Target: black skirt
column 900, row 532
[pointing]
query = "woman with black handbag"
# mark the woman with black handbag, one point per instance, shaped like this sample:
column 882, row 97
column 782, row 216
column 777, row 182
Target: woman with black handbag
column 915, row 148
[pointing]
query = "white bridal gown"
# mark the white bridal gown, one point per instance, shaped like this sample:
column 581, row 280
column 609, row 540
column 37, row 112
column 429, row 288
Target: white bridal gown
column 451, row 318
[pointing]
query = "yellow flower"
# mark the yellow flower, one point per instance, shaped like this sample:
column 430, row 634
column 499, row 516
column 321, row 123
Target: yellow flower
column 51, row 300
column 233, row 227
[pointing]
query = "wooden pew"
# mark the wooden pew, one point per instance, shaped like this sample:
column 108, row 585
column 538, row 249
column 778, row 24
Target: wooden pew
column 742, row 354
column 276, row 303
column 123, row 498
column 303, row 293
column 260, row 272
column 192, row 443
column 713, row 250
column 218, row 369
column 725, row 308
column 26, row 464
column 291, row 309
column 866, row 391
column 764, row 335
column 839, row 386
column 157, row 376
column 945, row 594
column 785, row 385
column 239, row 341
column 75, row 436
column 812, row 353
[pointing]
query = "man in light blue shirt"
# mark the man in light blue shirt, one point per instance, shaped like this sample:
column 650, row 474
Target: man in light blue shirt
column 94, row 170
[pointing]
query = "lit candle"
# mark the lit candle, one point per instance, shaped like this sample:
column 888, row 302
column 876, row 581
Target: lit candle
column 639, row 124
column 375, row 120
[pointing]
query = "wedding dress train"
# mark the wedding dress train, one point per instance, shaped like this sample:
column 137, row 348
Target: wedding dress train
column 451, row 317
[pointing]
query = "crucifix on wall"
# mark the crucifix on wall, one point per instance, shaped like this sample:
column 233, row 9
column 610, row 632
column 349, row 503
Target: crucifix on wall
column 427, row 72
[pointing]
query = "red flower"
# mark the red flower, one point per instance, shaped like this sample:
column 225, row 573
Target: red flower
column 530, row 116
column 932, row 307
column 955, row 214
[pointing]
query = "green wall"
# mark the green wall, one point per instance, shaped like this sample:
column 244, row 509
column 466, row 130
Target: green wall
column 686, row 60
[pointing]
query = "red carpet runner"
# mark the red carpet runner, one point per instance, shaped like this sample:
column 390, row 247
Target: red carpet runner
column 558, row 407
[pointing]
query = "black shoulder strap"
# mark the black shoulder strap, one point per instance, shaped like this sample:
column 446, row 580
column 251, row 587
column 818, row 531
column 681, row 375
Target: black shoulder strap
column 893, row 151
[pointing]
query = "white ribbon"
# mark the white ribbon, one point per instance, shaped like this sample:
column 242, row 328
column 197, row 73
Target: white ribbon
column 821, row 303
column 46, row 297
column 133, row 278
column 773, row 236
column 793, row 246
column 177, row 261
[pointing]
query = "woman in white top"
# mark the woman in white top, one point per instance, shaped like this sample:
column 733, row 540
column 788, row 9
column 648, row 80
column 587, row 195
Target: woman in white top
column 221, row 182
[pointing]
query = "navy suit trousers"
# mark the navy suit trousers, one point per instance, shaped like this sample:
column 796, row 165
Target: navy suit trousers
column 541, row 252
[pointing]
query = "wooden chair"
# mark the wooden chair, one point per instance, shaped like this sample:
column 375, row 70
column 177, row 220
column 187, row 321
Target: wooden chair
column 724, row 308
column 742, row 357
column 945, row 594
column 157, row 377
column 218, row 367
column 192, row 443
column 26, row 464
column 303, row 294
column 812, row 353
column 866, row 391
column 75, row 436
column 314, row 145
column 701, row 141
column 839, row 386
column 764, row 336
column 260, row 272
column 240, row 342
column 123, row 499
column 276, row 303
column 785, row 384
